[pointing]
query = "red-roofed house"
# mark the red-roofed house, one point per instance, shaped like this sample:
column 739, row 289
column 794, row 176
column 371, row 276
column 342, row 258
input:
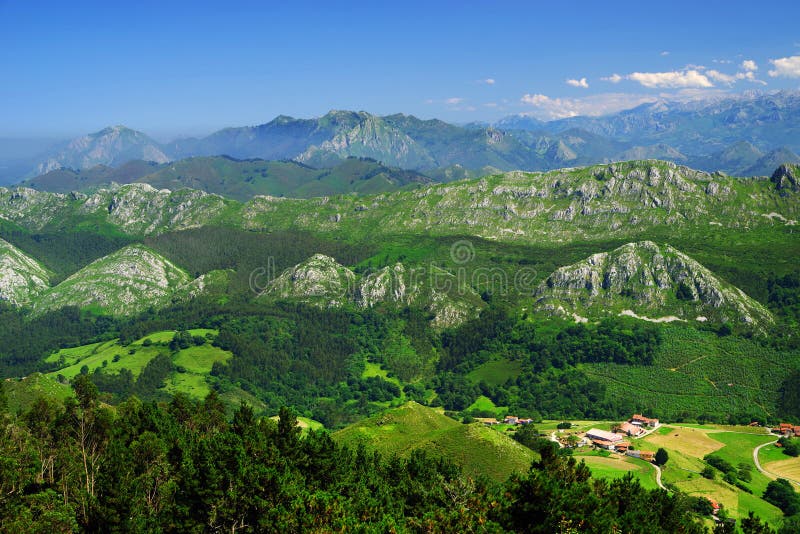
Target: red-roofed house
column 640, row 420
column 630, row 429
column 603, row 444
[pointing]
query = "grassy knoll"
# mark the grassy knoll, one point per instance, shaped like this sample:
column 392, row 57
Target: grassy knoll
column 616, row 466
column 495, row 372
column 22, row 392
column 132, row 357
column 192, row 365
column 485, row 404
column 478, row 449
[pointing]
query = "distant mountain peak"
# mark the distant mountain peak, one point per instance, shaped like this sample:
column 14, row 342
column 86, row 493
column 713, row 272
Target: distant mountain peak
column 113, row 145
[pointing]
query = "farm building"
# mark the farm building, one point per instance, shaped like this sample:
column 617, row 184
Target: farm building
column 611, row 437
column 511, row 420
column 787, row 429
column 630, row 429
column 647, row 456
column 640, row 420
column 487, row 420
column 603, row 444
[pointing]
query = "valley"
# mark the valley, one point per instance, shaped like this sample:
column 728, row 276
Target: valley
column 418, row 268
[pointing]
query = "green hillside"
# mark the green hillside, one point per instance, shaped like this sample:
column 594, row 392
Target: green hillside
column 21, row 393
column 189, row 374
column 602, row 202
column 696, row 373
column 478, row 449
column 239, row 179
column 688, row 445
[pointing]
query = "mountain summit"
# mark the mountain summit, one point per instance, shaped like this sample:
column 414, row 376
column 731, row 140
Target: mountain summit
column 648, row 281
column 111, row 146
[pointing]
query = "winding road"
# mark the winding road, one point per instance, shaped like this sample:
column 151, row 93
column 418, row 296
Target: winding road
column 764, row 471
column 658, row 477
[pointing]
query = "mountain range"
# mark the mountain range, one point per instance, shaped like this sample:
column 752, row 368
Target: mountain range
column 592, row 204
column 237, row 179
column 743, row 135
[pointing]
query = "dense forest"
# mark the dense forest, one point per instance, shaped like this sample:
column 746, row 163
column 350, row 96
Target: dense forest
column 291, row 354
column 184, row 466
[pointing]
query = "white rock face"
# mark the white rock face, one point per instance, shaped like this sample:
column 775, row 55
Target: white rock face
column 22, row 278
column 385, row 285
column 322, row 281
column 643, row 280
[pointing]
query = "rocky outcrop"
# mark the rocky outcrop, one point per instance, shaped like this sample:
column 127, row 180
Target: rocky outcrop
column 319, row 280
column 433, row 289
column 126, row 282
column 646, row 280
column 787, row 178
column 322, row 281
column 22, row 278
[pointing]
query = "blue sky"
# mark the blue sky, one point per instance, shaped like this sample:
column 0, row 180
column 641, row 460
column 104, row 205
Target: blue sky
column 171, row 68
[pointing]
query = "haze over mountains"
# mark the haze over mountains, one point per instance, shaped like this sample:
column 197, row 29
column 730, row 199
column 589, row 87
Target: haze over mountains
column 747, row 134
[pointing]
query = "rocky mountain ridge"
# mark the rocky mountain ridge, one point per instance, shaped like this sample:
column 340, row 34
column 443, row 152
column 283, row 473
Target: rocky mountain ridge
column 648, row 281
column 126, row 282
column 619, row 200
column 728, row 134
column 322, row 281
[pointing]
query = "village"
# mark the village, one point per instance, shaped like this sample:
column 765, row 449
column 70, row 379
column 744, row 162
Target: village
column 787, row 430
column 615, row 440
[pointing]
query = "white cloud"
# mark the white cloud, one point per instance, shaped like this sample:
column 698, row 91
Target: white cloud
column 720, row 77
column 429, row 101
column 488, row 81
column 578, row 83
column 787, row 67
column 454, row 101
column 750, row 76
column 665, row 53
column 558, row 108
column 749, row 65
column 672, row 79
column 722, row 61
column 491, row 104
column 614, row 78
